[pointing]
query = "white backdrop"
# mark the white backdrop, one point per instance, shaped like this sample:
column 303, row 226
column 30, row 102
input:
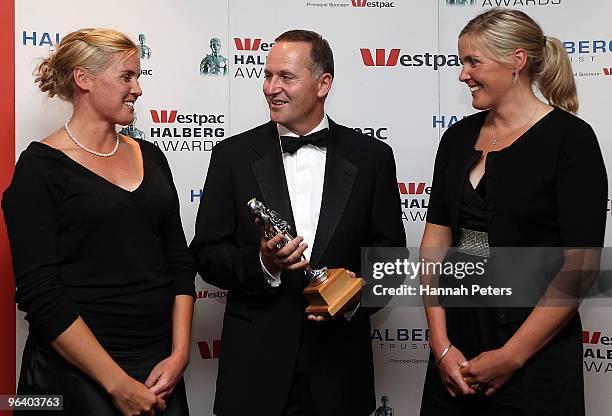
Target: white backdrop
column 408, row 107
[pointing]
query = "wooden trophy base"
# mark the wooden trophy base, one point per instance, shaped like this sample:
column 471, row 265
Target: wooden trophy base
column 330, row 296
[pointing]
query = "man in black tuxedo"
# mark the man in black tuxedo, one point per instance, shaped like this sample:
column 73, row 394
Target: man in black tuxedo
column 338, row 190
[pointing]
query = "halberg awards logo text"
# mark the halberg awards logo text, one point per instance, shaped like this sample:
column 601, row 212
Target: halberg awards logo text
column 402, row 345
column 445, row 121
column 250, row 57
column 597, row 352
column 584, row 55
column 414, row 199
column 35, row 38
column 174, row 131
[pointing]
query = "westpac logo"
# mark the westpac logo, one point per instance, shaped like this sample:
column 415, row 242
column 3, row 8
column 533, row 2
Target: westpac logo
column 174, row 131
column 593, row 337
column 607, row 71
column 171, row 116
column 163, row 117
column 251, row 44
column 250, row 56
column 377, row 4
column 380, row 133
column 391, row 60
column 413, row 188
column 207, row 294
column 40, row 38
column 206, row 352
column 247, row 44
column 381, row 57
column 414, row 200
column 597, row 352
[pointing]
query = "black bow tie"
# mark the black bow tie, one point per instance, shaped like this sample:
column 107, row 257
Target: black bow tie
column 292, row 144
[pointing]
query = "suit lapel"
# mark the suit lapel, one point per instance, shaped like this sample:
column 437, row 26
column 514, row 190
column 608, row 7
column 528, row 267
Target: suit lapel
column 270, row 174
column 339, row 177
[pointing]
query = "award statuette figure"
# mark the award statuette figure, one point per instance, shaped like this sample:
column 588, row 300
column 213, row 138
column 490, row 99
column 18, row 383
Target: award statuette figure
column 329, row 290
column 144, row 50
column 132, row 131
column 214, row 64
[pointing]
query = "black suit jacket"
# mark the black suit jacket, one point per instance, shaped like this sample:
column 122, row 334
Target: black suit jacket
column 264, row 327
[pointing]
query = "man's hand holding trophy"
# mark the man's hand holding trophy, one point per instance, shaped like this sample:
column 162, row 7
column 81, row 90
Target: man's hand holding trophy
column 329, row 292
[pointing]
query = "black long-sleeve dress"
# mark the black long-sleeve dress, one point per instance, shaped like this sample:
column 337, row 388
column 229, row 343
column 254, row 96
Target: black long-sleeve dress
column 83, row 246
column 547, row 189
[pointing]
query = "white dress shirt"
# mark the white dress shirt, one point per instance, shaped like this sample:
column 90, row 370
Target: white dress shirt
column 305, row 172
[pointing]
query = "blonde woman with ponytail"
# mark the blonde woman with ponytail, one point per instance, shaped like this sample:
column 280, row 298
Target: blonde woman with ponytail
column 507, row 176
column 99, row 256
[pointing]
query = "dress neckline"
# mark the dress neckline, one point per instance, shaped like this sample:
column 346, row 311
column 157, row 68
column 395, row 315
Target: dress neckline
column 90, row 172
column 520, row 139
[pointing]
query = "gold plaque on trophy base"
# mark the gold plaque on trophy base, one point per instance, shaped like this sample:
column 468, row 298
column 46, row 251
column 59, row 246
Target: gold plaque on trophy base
column 330, row 296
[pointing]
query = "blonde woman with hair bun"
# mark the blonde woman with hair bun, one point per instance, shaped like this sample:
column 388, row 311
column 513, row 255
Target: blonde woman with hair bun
column 100, row 260
column 507, row 177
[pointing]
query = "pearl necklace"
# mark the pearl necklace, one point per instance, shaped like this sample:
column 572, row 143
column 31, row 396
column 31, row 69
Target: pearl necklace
column 87, row 149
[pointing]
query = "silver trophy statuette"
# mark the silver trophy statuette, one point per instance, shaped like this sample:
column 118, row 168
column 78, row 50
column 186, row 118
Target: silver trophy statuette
column 272, row 224
column 144, row 50
column 214, row 64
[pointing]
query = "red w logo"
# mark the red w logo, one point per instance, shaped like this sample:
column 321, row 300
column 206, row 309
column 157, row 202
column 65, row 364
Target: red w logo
column 247, row 45
column 205, row 352
column 359, row 3
column 607, row 71
column 366, row 56
column 413, row 188
column 594, row 339
column 155, row 115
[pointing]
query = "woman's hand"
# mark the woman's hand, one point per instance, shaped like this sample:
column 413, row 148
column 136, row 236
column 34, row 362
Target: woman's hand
column 79, row 347
column 166, row 374
column 490, row 371
column 134, row 398
column 450, row 371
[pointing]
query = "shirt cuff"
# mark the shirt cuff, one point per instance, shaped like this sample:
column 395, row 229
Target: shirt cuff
column 348, row 315
column 273, row 280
